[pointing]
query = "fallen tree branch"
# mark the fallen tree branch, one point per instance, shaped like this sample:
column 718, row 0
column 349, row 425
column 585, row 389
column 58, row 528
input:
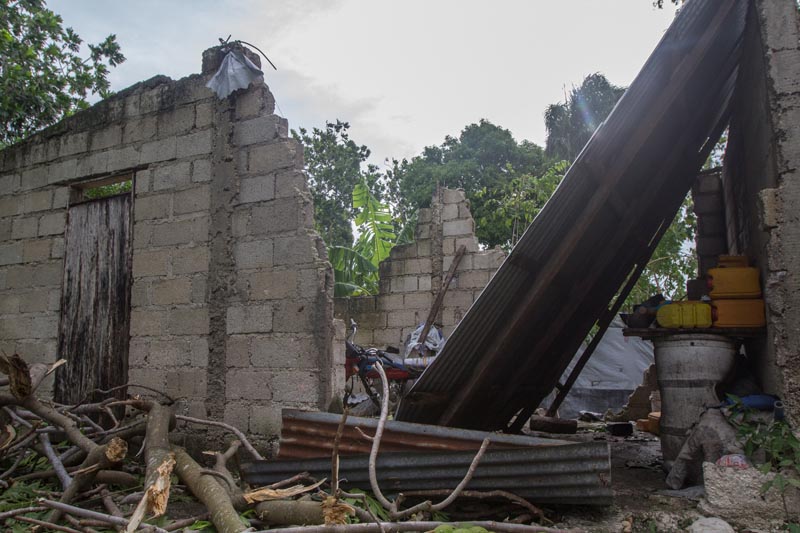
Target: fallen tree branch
column 58, row 466
column 398, row 527
column 46, row 524
column 480, row 495
column 209, row 492
column 246, row 443
column 93, row 515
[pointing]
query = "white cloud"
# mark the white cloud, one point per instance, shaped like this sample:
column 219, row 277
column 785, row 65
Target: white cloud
column 404, row 74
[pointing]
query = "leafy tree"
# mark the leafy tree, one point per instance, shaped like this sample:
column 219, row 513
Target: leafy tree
column 335, row 164
column 482, row 160
column 42, row 76
column 570, row 124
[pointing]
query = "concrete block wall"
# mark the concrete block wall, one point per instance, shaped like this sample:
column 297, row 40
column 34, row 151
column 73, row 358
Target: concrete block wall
column 412, row 276
column 762, row 187
column 709, row 206
column 232, row 308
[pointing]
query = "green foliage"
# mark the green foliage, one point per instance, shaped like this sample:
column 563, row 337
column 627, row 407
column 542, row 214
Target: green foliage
column 353, row 273
column 373, row 505
column 778, row 442
column 374, row 222
column 672, row 262
column 42, row 76
column 570, row 124
column 482, row 160
column 108, row 190
column 335, row 164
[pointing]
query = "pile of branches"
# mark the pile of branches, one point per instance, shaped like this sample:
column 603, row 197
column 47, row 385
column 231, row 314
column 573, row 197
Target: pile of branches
column 90, row 447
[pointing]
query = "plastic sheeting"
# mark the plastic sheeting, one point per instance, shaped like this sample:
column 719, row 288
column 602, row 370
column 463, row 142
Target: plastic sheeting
column 235, row 72
column 612, row 373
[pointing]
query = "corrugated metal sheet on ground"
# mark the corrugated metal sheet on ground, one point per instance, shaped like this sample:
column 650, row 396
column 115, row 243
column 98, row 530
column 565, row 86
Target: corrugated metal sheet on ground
column 569, row 474
column 509, row 350
column 311, row 434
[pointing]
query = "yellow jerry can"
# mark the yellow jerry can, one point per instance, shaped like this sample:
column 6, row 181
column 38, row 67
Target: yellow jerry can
column 739, row 313
column 733, row 282
column 684, row 315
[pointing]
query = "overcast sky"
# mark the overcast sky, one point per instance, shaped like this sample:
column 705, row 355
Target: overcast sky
column 403, row 73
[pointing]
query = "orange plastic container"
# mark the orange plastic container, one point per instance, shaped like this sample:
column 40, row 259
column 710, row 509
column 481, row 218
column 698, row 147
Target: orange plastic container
column 739, row 313
column 733, row 282
column 684, row 315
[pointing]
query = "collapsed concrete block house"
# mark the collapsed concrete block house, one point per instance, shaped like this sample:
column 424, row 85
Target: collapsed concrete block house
column 207, row 281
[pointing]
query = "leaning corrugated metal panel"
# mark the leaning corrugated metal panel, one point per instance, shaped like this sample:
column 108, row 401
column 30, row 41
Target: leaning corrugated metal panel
column 514, row 343
column 566, row 474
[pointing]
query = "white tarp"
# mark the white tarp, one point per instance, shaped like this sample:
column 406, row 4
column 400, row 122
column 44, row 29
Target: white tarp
column 235, row 72
column 612, row 373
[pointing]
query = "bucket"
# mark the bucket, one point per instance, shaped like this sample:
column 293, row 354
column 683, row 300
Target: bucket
column 688, row 368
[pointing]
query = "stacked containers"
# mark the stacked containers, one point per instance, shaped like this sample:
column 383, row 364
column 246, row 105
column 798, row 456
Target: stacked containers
column 735, row 292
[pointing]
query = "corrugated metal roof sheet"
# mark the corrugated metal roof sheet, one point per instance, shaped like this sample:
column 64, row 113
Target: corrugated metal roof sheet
column 568, row 474
column 509, row 350
column 311, row 434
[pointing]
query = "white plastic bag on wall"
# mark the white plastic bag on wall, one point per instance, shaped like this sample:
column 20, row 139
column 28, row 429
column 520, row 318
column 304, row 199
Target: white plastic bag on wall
column 235, row 72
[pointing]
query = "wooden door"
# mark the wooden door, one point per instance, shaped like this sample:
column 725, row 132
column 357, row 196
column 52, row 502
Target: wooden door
column 94, row 331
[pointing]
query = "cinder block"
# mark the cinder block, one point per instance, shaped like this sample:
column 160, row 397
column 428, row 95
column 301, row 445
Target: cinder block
column 271, row 284
column 204, row 115
column 201, row 170
column 141, row 182
column 92, row 164
column 708, row 183
column 34, row 301
column 37, row 201
column 177, row 121
column 710, row 225
column 423, row 248
column 24, row 228
column 290, row 183
column 35, row 250
column 421, row 300
column 75, row 143
column 237, row 351
column 62, row 171
column 453, row 196
column 138, row 352
column 194, row 230
column 151, row 263
column 470, row 243
column 152, row 207
column 11, row 254
column 149, row 377
column 139, row 129
column 237, row 415
column 424, row 283
column 10, row 206
column 33, row 178
column 5, row 229
column 106, row 138
column 140, row 293
column 254, row 102
column 249, row 319
column 708, row 204
column 387, row 337
column 295, row 316
column 257, row 189
column 400, row 319
column 284, row 352
column 199, row 288
column 161, row 150
column 391, row 302
column 57, row 250
column 52, row 223
column 265, row 419
column 296, row 386
column 404, row 284
column 275, row 156
column 148, row 322
column 168, row 353
column 194, row 144
column 259, row 130
column 489, row 260
column 248, row 385
column 418, row 266
column 192, row 200
column 172, row 291
column 458, row 298
column 476, row 279
column 187, row 383
column 253, row 254
column 293, row 251
column 9, row 303
column 450, row 211
column 9, row 183
column 457, row 227
column 190, row 260
column 122, row 158
column 277, row 216
column 60, row 197
column 188, row 321
column 171, row 176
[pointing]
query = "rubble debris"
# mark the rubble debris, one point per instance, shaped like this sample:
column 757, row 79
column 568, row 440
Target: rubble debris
column 710, row 525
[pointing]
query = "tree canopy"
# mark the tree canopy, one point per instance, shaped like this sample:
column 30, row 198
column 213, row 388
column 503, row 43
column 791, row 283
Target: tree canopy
column 335, row 164
column 43, row 77
column 570, row 124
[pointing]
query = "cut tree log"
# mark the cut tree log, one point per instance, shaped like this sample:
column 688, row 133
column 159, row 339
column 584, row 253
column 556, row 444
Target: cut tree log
column 290, row 513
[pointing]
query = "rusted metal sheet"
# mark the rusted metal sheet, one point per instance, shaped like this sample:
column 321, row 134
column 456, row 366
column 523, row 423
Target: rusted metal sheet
column 96, row 298
column 519, row 336
column 311, row 434
column 575, row 473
